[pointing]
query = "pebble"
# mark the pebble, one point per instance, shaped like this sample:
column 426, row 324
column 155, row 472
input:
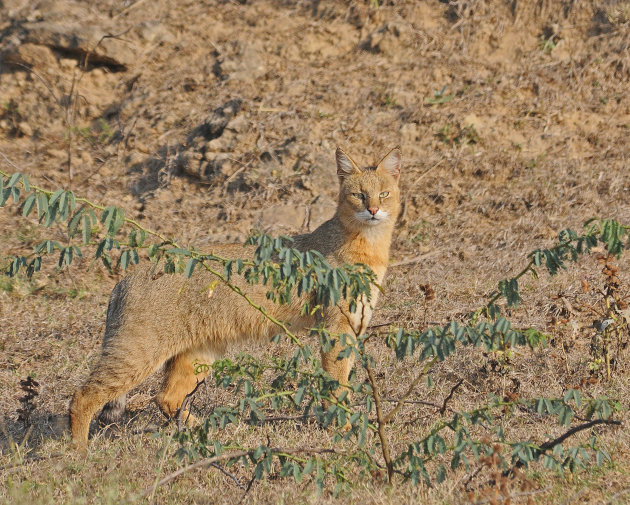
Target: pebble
column 25, row 129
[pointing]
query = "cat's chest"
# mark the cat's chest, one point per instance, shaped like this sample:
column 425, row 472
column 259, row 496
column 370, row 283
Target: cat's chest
column 374, row 254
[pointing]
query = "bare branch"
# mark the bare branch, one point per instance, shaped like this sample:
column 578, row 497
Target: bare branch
column 552, row 443
column 410, row 390
column 184, row 407
column 232, row 455
column 233, row 477
column 382, row 421
column 450, row 395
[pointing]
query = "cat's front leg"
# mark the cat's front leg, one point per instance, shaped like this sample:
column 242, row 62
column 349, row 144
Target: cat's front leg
column 344, row 327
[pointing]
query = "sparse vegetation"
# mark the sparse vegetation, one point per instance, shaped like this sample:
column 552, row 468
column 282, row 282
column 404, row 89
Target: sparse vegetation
column 457, row 135
column 300, row 385
column 202, row 135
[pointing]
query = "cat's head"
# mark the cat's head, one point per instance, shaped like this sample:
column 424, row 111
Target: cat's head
column 369, row 197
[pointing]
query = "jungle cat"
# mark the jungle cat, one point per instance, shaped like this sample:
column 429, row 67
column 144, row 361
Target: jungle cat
column 155, row 320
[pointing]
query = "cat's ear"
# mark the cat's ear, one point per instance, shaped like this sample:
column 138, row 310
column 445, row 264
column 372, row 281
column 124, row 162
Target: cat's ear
column 391, row 163
column 345, row 164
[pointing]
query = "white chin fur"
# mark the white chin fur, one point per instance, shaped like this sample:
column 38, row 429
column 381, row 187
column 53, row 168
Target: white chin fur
column 372, row 220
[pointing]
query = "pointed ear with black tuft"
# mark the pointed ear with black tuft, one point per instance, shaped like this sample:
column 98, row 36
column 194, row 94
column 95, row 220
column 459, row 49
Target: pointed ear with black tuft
column 345, row 165
column 391, row 163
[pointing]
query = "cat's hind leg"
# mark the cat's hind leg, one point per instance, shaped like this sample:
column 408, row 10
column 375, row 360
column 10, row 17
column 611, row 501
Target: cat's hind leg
column 118, row 370
column 183, row 373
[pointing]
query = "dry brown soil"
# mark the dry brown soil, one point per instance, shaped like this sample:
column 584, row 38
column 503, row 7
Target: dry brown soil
column 206, row 119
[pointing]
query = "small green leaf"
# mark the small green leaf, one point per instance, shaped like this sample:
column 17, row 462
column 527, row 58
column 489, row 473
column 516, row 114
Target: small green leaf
column 297, row 472
column 565, row 415
column 440, row 474
column 63, row 205
column 124, row 259
column 259, row 452
column 99, row 249
column 72, row 201
column 259, row 471
column 190, row 266
column 55, row 196
column 42, row 205
column 74, row 223
column 299, row 395
column 309, row 466
column 86, row 228
column 65, row 256
column 14, row 179
column 28, row 205
column 51, row 215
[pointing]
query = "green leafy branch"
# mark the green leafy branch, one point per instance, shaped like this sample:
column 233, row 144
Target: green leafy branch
column 292, row 463
column 305, row 271
column 412, row 462
column 570, row 246
column 300, row 383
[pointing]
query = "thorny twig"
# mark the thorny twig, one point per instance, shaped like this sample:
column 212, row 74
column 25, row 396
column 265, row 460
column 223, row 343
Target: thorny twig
column 249, row 486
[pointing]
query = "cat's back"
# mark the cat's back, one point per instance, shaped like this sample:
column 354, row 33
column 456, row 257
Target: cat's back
column 149, row 284
column 326, row 239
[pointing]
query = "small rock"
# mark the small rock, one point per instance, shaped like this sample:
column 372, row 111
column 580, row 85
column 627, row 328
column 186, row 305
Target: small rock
column 246, row 65
column 25, row 129
column 225, row 143
column 35, row 15
column 221, row 164
column 98, row 75
column 214, row 125
column 239, row 124
column 86, row 159
column 210, row 167
column 81, row 39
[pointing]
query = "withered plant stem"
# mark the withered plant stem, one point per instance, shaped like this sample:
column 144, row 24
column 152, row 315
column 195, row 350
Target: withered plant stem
column 381, row 421
column 231, row 455
column 410, row 390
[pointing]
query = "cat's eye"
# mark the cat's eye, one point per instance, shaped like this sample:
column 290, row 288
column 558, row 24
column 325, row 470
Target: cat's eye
column 384, row 194
column 360, row 196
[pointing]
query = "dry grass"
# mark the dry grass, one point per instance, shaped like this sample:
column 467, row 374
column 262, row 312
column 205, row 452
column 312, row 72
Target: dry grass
column 543, row 85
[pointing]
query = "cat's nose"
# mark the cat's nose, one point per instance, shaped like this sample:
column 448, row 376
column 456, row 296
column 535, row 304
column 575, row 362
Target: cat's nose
column 373, row 210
